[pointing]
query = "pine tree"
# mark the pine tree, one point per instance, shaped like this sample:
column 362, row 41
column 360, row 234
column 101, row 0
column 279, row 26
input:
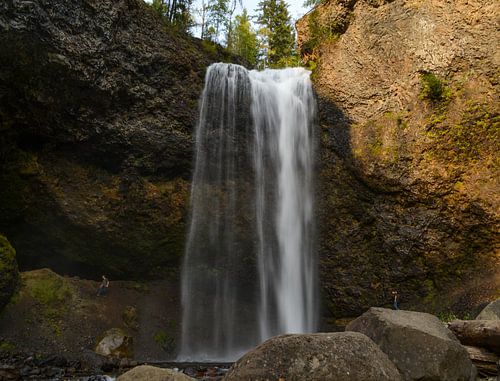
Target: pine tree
column 277, row 32
column 176, row 12
column 244, row 41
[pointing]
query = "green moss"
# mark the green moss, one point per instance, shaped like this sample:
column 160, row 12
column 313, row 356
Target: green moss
column 165, row 341
column 9, row 274
column 7, row 346
column 138, row 286
column 52, row 292
column 376, row 147
column 476, row 134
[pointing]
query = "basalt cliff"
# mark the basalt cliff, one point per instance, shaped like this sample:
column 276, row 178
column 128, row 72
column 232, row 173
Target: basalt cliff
column 408, row 160
column 98, row 100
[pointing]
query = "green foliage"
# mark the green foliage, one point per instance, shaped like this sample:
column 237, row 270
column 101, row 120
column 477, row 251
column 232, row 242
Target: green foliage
column 276, row 33
column 244, row 42
column 209, row 47
column 165, row 341
column 319, row 32
column 434, row 89
column 216, row 20
column 311, row 3
column 175, row 12
column 448, row 315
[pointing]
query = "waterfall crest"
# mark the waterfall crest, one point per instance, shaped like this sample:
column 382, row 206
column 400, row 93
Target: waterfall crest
column 249, row 271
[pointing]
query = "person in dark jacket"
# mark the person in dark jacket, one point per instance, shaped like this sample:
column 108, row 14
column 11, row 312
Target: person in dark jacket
column 103, row 288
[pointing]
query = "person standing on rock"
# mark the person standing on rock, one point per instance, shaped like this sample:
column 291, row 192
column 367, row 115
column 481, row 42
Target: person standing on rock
column 395, row 304
column 103, row 288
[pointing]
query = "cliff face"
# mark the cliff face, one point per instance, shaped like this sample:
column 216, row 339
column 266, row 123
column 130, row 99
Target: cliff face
column 409, row 142
column 98, row 100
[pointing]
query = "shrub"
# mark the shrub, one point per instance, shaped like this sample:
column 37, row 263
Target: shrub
column 434, row 89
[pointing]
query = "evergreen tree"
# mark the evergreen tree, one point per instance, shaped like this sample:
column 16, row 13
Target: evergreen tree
column 277, row 33
column 176, row 12
column 244, row 41
column 311, row 3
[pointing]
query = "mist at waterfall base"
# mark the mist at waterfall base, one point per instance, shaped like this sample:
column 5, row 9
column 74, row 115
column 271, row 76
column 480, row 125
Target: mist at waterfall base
column 249, row 271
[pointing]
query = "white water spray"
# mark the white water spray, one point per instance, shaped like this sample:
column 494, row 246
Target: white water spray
column 249, row 270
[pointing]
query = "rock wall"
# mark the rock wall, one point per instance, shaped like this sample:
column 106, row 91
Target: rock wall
column 98, row 100
column 409, row 140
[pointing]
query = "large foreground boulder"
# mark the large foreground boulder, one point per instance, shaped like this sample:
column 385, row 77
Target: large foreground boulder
column 419, row 344
column 315, row 357
column 151, row 373
column 9, row 274
column 490, row 312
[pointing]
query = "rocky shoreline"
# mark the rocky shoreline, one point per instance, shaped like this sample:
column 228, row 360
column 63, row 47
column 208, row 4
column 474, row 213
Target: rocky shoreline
column 379, row 345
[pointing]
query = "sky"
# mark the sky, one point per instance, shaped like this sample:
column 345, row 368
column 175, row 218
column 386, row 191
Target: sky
column 295, row 7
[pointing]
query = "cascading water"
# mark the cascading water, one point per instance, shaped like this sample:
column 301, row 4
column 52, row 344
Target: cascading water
column 249, row 271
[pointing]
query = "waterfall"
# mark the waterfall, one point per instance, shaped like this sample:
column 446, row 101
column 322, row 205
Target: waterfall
column 249, row 270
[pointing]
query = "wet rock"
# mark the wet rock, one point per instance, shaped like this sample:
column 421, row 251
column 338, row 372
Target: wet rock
column 151, row 373
column 316, row 357
column 115, row 343
column 418, row 343
column 9, row 372
column 490, row 312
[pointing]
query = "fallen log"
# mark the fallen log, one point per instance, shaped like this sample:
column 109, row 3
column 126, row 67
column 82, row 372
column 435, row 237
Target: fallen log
column 478, row 333
column 485, row 361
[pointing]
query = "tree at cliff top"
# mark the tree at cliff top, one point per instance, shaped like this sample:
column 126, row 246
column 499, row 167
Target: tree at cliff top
column 216, row 21
column 244, row 42
column 176, row 12
column 277, row 34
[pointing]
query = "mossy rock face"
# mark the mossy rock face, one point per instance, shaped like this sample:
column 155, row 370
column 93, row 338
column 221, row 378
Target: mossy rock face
column 9, row 274
column 52, row 292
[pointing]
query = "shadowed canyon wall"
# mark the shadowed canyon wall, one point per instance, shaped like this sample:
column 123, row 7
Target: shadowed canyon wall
column 409, row 165
column 98, row 100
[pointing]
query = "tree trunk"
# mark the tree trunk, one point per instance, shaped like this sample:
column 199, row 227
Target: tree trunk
column 478, row 333
column 485, row 361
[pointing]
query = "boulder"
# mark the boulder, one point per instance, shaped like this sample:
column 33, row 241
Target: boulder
column 321, row 356
column 418, row 343
column 115, row 343
column 151, row 373
column 490, row 312
column 9, row 274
